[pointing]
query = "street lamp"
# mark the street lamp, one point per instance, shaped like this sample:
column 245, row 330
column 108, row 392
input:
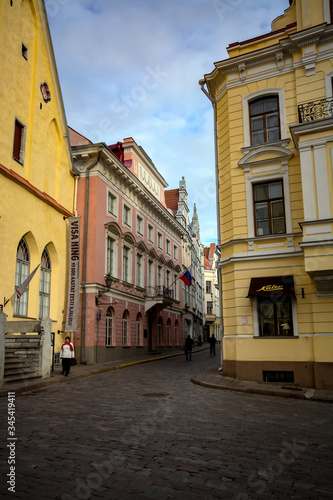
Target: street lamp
column 108, row 283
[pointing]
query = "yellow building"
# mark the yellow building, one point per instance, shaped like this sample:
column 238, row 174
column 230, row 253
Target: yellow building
column 273, row 107
column 37, row 184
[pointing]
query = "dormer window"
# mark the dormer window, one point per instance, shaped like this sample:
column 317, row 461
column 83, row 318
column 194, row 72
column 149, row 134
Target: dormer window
column 264, row 120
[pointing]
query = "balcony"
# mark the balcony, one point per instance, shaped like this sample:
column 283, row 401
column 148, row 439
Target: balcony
column 159, row 297
column 315, row 110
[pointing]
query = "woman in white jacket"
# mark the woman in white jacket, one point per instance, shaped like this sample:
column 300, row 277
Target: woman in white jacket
column 67, row 354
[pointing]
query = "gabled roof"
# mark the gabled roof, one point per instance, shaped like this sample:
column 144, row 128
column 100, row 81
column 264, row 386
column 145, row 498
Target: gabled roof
column 77, row 139
column 207, row 265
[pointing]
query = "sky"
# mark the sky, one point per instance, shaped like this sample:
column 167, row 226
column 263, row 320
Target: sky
column 131, row 68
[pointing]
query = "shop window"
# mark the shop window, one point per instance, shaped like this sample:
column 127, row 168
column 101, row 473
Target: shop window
column 264, row 120
column 275, row 316
column 109, row 339
column 45, row 285
column 269, row 213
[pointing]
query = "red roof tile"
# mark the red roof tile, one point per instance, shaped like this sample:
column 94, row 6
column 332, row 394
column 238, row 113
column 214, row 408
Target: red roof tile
column 171, row 199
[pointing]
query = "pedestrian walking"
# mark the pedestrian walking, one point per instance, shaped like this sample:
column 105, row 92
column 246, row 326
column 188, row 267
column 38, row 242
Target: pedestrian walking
column 188, row 348
column 67, row 354
column 212, row 341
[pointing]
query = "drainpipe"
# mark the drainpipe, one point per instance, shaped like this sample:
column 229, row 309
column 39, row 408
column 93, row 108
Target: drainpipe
column 84, row 276
column 218, row 211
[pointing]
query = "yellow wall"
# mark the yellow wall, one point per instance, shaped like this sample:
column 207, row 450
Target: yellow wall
column 35, row 213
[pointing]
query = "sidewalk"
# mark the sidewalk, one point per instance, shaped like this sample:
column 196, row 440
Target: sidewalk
column 215, row 380
column 211, row 379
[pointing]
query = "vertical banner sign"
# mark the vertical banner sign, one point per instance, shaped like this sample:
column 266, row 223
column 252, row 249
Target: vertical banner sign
column 74, row 275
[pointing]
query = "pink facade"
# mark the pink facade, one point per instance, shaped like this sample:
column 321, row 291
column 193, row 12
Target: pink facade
column 126, row 232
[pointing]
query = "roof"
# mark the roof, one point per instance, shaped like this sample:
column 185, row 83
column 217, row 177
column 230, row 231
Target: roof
column 207, row 264
column 171, row 199
column 77, row 139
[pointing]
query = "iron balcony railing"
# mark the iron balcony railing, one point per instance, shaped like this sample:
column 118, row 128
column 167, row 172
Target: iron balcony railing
column 315, row 110
column 159, row 291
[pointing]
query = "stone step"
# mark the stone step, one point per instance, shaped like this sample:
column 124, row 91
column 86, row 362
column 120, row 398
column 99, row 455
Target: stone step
column 9, row 379
column 9, row 365
column 17, row 368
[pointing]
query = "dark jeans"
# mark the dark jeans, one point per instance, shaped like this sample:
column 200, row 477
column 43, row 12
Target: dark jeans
column 212, row 349
column 66, row 365
column 188, row 354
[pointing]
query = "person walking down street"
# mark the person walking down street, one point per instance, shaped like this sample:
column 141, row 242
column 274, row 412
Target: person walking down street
column 67, row 354
column 188, row 348
column 212, row 341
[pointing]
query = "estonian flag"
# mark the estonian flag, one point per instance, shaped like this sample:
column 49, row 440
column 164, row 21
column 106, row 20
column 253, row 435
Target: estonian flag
column 187, row 277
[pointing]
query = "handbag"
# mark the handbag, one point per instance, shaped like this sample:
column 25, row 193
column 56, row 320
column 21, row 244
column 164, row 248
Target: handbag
column 73, row 362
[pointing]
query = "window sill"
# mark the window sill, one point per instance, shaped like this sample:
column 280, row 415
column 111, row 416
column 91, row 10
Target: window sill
column 126, row 346
column 276, row 337
column 18, row 161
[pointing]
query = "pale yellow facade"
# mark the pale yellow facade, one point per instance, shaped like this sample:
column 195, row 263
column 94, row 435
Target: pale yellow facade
column 292, row 153
column 37, row 187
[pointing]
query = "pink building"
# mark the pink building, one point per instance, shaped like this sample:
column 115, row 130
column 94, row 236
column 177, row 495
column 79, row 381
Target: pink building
column 128, row 234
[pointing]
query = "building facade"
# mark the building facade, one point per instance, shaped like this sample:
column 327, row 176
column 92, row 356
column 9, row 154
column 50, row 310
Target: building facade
column 129, row 235
column 211, row 290
column 37, row 179
column 272, row 101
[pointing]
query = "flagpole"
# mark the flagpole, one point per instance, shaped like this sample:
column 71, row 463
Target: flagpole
column 178, row 277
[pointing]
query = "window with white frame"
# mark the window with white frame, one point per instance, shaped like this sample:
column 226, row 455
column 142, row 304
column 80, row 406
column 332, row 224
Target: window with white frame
column 159, row 276
column 126, row 264
column 150, row 276
column 22, row 272
column 139, row 270
column 160, row 241
column 109, row 338
column 138, row 329
column 150, row 233
column 168, row 279
column 168, row 246
column 125, row 328
column 127, row 216
column 268, row 203
column 45, row 285
column 112, row 204
column 139, row 225
column 110, row 255
column 209, row 307
column 208, row 287
column 175, row 252
column 176, row 286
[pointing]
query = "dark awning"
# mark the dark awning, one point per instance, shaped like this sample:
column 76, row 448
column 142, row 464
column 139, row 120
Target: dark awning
column 272, row 286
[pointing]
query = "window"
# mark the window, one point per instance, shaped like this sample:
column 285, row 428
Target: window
column 19, row 141
column 168, row 327
column 138, row 329
column 160, row 241
column 176, row 332
column 112, row 204
column 275, row 316
column 208, row 287
column 176, row 284
column 160, row 330
column 159, row 276
column 110, row 256
column 109, row 340
column 127, row 216
column 45, row 285
column 175, row 252
column 209, row 307
column 125, row 328
column 139, row 225
column 126, row 253
column 150, row 233
column 24, row 51
column 22, row 272
column 139, row 270
column 269, row 208
column 150, row 275
column 44, row 88
column 264, row 120
column 168, row 276
column 168, row 247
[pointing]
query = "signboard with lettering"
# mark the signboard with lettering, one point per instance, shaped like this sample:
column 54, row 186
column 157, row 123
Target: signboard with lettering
column 74, row 275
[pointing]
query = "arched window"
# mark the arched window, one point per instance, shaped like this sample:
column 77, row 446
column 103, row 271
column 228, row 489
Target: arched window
column 45, row 285
column 176, row 332
column 168, row 331
column 138, row 329
column 109, row 340
column 22, row 272
column 160, row 330
column 125, row 328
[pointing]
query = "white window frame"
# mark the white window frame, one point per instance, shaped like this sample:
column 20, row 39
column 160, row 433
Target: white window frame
column 114, row 270
column 111, row 194
column 150, row 233
column 124, row 330
column 160, row 240
column 256, row 332
column 130, row 254
column 279, row 92
column 168, row 246
column 138, row 330
column 127, row 209
column 139, row 274
column 109, row 333
column 140, row 225
column 175, row 252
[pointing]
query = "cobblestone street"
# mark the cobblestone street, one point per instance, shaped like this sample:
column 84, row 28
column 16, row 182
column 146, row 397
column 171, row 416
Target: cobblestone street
column 147, row 432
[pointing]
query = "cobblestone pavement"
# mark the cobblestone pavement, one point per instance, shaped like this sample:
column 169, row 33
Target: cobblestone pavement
column 146, row 432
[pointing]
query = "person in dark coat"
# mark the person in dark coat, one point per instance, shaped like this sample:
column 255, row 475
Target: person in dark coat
column 212, row 341
column 188, row 348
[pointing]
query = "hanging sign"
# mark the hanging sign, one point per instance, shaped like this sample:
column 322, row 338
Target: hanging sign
column 74, row 275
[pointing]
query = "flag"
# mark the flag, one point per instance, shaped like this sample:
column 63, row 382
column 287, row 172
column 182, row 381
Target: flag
column 187, row 277
column 23, row 286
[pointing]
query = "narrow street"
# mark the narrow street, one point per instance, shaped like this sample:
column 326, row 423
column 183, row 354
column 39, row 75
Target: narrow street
column 147, row 432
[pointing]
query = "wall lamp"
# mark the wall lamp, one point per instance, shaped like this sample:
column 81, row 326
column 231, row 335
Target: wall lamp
column 108, row 283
